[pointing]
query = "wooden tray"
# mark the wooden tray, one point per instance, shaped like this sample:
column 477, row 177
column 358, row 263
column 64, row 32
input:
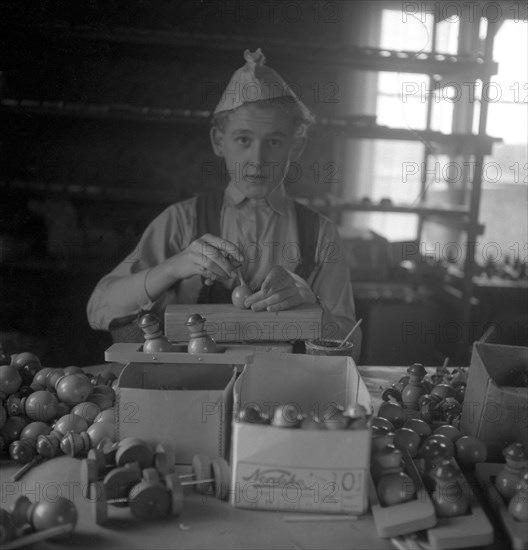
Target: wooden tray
column 516, row 531
column 124, row 352
column 473, row 529
column 407, row 517
column 226, row 323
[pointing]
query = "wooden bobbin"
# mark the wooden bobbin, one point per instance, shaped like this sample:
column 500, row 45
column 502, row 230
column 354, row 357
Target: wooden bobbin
column 149, row 500
column 173, row 483
column 164, row 459
column 119, row 481
column 220, row 479
column 99, row 505
column 133, row 449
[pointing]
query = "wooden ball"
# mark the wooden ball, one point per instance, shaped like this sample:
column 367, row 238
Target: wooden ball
column 70, row 423
column 41, row 375
column 52, row 377
column 74, row 388
column 12, row 428
column 449, row 431
column 407, row 439
column 239, row 295
column 34, row 429
column 10, row 379
column 395, row 488
column 419, row 426
column 73, row 369
column 22, row 451
column 88, row 411
column 448, row 443
column 101, row 430
column 393, row 412
column 28, row 364
column 382, row 422
column 47, row 514
column 470, row 450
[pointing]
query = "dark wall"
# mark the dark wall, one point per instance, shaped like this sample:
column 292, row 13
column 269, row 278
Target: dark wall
column 94, row 139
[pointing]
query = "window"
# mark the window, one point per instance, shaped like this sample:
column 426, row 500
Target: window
column 504, row 201
column 394, row 169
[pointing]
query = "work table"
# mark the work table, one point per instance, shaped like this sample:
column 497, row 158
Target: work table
column 205, row 521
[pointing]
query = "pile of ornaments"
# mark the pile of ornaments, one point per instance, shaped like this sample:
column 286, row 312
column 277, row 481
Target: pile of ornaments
column 512, row 481
column 419, row 418
column 422, row 413
column 48, row 411
column 289, row 415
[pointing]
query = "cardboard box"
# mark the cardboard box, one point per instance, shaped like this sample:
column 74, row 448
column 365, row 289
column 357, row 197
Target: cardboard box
column 294, row 469
column 186, row 404
column 227, row 323
column 495, row 407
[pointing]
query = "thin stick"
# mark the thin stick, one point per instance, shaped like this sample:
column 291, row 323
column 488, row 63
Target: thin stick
column 312, row 517
column 22, row 471
column 38, row 536
column 445, row 363
column 487, row 334
column 345, row 339
column 240, row 277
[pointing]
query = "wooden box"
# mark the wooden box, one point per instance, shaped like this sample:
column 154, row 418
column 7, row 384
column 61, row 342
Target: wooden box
column 495, row 406
column 517, row 531
column 227, row 323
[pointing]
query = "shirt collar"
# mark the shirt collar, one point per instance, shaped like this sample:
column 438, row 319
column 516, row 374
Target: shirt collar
column 276, row 200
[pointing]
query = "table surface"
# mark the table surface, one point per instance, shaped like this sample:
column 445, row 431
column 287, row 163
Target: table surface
column 205, row 521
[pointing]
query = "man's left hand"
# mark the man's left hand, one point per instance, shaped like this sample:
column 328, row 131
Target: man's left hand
column 279, row 291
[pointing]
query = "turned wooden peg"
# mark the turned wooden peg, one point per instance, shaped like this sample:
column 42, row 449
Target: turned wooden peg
column 44, row 515
column 155, row 340
column 199, row 341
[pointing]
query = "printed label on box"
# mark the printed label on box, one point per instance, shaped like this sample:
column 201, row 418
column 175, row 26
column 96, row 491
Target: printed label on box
column 318, row 489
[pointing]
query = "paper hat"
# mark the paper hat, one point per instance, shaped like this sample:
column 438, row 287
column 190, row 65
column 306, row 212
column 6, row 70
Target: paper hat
column 255, row 82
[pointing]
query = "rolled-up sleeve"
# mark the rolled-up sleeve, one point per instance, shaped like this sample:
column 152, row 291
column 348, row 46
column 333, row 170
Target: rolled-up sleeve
column 121, row 294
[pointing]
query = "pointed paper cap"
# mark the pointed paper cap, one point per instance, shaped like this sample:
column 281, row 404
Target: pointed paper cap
column 256, row 82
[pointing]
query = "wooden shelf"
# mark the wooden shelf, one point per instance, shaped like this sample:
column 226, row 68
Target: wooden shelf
column 91, row 192
column 440, row 214
column 372, row 59
column 351, row 127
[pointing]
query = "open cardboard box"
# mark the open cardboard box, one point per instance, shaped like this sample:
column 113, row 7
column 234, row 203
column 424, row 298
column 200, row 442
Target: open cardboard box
column 294, row 469
column 187, row 404
column 495, row 407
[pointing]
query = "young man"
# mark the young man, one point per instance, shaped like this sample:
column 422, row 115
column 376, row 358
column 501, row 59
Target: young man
column 193, row 251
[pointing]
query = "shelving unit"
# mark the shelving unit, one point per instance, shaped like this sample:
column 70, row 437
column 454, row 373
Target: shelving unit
column 372, row 59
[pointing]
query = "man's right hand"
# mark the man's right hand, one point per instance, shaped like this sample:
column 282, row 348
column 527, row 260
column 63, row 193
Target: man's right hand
column 212, row 257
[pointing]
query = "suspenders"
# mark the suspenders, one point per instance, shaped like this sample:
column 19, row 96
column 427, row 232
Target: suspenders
column 208, row 209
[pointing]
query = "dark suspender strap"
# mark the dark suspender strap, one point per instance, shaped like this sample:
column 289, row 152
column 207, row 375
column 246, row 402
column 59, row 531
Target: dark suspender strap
column 308, row 230
column 208, row 209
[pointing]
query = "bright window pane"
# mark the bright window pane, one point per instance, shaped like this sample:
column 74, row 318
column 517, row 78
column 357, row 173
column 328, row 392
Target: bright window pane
column 398, row 176
column 402, row 101
column 447, row 35
column 508, row 121
column 405, row 31
column 510, row 49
